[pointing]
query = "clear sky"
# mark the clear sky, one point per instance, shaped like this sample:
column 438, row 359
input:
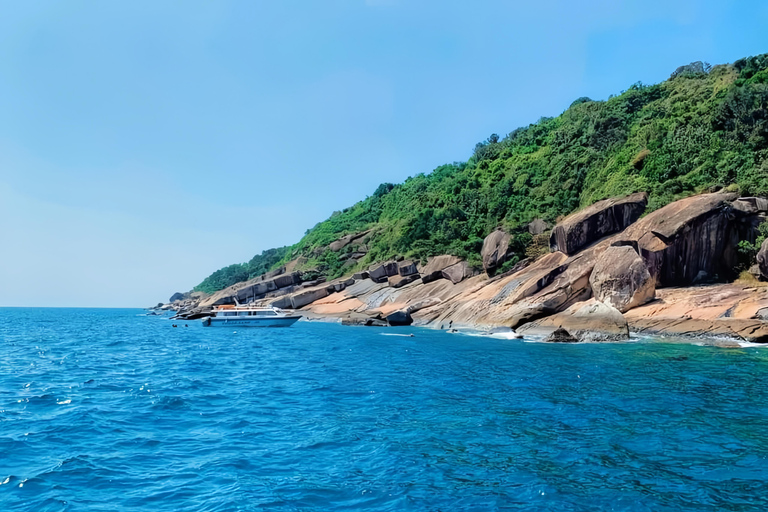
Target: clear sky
column 145, row 144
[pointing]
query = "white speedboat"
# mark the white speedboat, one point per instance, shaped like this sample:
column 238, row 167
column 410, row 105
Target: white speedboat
column 249, row 316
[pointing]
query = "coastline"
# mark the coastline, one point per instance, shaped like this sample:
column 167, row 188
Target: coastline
column 609, row 272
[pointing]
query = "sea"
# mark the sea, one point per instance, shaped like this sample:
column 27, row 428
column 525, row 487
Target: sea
column 111, row 410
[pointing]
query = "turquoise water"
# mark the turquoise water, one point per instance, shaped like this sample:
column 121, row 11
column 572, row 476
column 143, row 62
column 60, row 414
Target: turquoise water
column 111, row 410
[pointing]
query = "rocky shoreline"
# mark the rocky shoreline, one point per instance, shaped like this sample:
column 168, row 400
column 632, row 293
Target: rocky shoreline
column 610, row 271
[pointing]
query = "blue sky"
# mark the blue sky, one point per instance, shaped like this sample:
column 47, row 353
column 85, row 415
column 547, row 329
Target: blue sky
column 144, row 144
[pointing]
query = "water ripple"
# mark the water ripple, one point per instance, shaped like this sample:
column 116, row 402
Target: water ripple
column 109, row 410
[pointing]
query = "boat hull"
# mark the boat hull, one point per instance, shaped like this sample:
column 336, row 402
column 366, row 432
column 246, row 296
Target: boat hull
column 283, row 321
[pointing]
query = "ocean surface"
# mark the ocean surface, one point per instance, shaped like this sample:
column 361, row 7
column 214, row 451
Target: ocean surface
column 112, row 410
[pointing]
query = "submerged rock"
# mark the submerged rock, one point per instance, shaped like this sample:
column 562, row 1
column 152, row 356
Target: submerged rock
column 560, row 335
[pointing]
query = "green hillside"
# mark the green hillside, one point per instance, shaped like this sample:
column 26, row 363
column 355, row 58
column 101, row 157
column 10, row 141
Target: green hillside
column 704, row 127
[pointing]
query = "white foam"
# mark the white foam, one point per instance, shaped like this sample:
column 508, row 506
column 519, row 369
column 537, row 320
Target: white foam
column 64, row 402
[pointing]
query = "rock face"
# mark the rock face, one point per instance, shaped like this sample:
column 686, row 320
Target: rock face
column 176, row 296
column 762, row 259
column 407, row 268
column 494, row 252
column 595, row 321
column 620, row 279
column 400, row 317
column 713, row 310
column 606, row 217
column 693, row 239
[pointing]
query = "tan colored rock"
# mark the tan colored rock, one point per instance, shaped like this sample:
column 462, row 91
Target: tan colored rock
column 435, row 266
column 594, row 222
column 621, row 279
column 712, row 310
column 458, row 272
column 586, row 321
column 494, row 251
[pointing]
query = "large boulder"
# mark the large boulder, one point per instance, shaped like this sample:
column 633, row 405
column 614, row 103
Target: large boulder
column 458, row 272
column 537, row 226
column 308, row 297
column 177, row 296
column 621, row 279
column 435, row 266
column 380, row 273
column 407, row 268
column 762, row 259
column 751, row 204
column 494, row 251
column 693, row 239
column 603, row 218
column 586, row 321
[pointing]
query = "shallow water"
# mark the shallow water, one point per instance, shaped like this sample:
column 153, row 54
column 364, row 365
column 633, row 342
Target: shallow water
column 112, row 410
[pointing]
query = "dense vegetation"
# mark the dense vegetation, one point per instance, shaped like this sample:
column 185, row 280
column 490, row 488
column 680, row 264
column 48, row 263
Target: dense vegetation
column 705, row 127
column 232, row 274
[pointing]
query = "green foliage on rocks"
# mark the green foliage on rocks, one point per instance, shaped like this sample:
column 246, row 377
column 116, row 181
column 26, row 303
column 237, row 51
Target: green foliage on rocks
column 705, row 127
column 232, row 274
